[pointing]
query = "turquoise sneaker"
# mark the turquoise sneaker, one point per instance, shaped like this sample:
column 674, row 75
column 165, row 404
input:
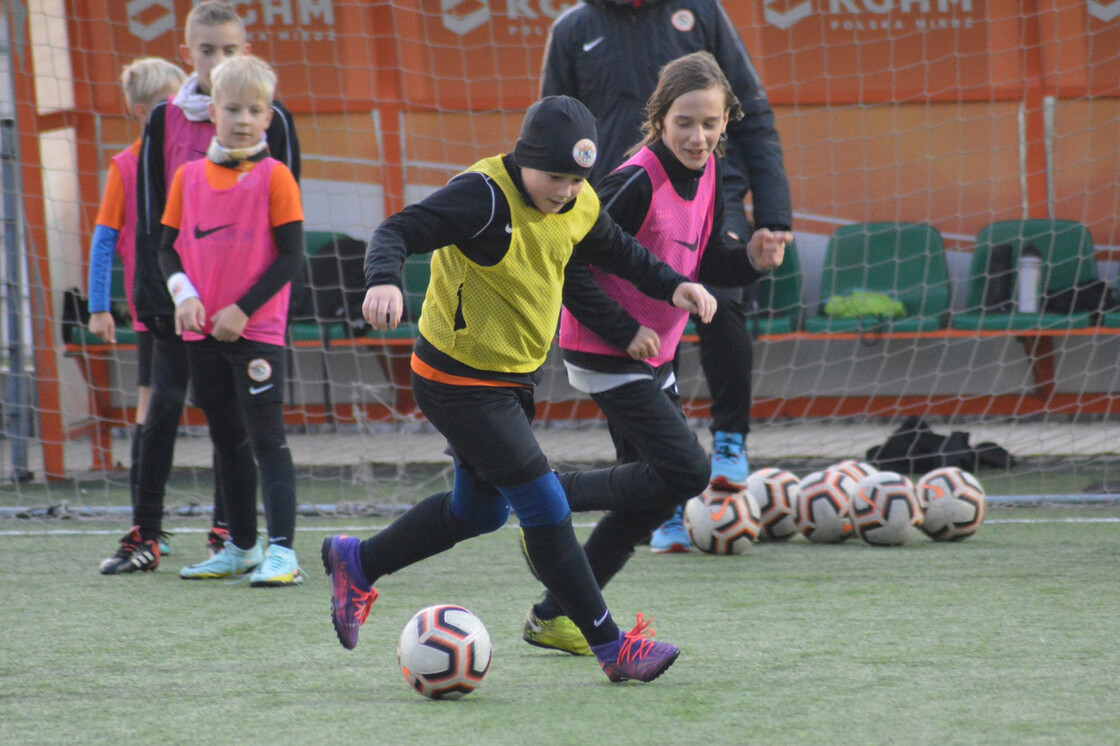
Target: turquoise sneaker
column 729, row 462
column 279, row 568
column 670, row 537
column 230, row 562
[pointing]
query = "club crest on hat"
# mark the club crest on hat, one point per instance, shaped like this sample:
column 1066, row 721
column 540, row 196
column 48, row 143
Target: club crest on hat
column 584, row 153
column 260, row 370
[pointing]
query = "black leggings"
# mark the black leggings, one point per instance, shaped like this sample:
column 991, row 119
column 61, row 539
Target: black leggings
column 661, row 466
column 239, row 386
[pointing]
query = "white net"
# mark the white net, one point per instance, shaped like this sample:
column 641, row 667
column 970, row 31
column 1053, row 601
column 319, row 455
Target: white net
column 909, row 129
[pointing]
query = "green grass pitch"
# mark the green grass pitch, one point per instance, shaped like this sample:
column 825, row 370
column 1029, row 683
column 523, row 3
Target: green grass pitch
column 1006, row 638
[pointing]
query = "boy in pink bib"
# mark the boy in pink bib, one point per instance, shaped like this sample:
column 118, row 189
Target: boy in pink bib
column 232, row 242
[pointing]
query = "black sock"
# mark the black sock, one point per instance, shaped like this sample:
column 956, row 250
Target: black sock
column 608, row 549
column 134, row 464
column 219, row 519
column 563, row 568
column 425, row 530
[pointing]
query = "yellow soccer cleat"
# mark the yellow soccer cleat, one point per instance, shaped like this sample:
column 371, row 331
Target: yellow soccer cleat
column 560, row 634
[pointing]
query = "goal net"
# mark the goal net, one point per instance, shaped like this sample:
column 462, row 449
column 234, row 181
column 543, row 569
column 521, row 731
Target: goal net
column 929, row 144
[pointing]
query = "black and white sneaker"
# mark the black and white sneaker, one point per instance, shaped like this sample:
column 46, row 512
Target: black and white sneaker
column 129, row 542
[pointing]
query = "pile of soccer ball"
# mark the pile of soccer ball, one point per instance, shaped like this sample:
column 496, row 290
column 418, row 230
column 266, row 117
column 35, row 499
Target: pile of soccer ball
column 444, row 651
column 850, row 498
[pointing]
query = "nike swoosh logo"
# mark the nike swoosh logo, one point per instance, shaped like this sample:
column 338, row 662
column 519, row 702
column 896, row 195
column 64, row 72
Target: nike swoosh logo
column 602, row 619
column 690, row 246
column 588, row 46
column 723, row 505
column 199, row 233
column 254, row 390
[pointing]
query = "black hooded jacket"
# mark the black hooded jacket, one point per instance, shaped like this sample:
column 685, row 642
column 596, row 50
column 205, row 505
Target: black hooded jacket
column 608, row 53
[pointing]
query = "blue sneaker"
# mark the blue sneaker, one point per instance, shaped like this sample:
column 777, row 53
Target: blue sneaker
column 729, row 462
column 279, row 568
column 230, row 562
column 670, row 537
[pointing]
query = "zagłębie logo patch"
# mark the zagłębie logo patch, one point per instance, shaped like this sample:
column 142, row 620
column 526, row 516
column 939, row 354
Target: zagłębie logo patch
column 584, row 153
column 259, row 370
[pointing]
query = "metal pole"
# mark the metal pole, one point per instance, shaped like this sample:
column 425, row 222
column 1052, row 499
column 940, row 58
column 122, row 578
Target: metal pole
column 17, row 421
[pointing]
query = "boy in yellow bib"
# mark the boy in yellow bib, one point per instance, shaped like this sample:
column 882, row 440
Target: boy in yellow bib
column 502, row 232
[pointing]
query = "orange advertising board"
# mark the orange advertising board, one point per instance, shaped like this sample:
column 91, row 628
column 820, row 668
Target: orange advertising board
column 858, row 51
column 469, row 55
column 321, row 49
column 473, row 54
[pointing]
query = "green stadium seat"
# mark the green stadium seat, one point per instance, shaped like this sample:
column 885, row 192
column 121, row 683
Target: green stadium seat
column 778, row 295
column 779, row 298
column 80, row 335
column 321, row 330
column 417, row 272
column 903, row 260
column 1067, row 258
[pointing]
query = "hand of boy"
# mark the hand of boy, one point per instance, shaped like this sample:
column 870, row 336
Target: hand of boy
column 190, row 315
column 226, row 325
column 692, row 297
column 768, row 248
column 383, row 306
column 101, row 324
column 646, row 344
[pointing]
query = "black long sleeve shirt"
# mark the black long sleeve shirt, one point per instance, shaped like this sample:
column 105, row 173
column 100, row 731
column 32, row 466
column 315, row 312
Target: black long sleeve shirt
column 471, row 213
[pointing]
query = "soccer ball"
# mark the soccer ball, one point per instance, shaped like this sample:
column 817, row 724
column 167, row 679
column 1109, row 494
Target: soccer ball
column 444, row 652
column 955, row 503
column 857, row 470
column 824, row 506
column 720, row 522
column 885, row 509
column 776, row 492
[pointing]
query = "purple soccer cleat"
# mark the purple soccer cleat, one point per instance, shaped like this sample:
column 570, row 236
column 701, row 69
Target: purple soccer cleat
column 351, row 596
column 638, row 658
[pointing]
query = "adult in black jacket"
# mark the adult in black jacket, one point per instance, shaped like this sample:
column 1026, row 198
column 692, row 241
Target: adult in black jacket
column 608, row 53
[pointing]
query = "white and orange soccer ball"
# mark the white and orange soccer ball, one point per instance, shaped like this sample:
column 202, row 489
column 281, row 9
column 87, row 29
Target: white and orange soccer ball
column 824, row 506
column 857, row 470
column 444, row 652
column 719, row 522
column 885, row 509
column 955, row 503
column 776, row 491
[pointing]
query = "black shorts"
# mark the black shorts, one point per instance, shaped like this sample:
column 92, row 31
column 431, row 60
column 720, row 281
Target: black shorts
column 489, row 429
column 228, row 373
column 143, row 359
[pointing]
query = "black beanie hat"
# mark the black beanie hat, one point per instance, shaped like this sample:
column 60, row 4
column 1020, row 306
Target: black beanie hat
column 558, row 135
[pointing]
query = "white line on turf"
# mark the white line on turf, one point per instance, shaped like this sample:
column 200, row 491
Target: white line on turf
column 177, row 531
column 339, row 529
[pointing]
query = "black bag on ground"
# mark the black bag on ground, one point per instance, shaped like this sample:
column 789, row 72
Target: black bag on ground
column 915, row 449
